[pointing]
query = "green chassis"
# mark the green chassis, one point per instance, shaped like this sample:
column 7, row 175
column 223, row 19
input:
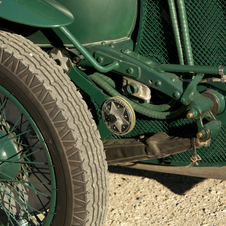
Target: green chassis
column 118, row 58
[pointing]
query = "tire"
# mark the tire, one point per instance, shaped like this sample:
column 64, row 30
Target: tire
column 53, row 169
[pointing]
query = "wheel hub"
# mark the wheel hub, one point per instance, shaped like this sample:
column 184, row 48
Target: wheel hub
column 8, row 156
column 118, row 115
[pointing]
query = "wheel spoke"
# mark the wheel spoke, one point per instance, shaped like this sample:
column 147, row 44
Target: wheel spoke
column 15, row 125
column 4, row 191
column 23, row 153
column 44, row 184
column 23, row 162
column 2, row 112
column 16, row 205
column 41, row 174
column 32, row 187
column 21, row 201
column 9, row 215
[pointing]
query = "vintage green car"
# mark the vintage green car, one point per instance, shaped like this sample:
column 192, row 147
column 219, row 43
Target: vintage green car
column 87, row 84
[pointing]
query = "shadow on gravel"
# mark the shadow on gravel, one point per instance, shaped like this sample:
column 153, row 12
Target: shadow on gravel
column 178, row 184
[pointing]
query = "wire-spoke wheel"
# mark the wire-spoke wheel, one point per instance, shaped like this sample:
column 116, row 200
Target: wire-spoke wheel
column 28, row 186
column 52, row 164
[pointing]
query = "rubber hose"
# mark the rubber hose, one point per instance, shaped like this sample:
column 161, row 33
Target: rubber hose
column 137, row 107
column 161, row 107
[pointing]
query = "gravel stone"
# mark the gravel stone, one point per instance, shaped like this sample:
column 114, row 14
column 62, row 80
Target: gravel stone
column 142, row 198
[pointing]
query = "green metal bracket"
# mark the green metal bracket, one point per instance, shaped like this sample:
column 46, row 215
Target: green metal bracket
column 87, row 55
column 190, row 91
column 198, row 106
column 124, row 67
column 167, row 83
column 86, row 84
column 205, row 106
column 140, row 58
column 210, row 129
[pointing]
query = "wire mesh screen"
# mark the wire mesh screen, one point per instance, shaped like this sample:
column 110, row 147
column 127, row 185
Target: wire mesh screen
column 207, row 25
column 156, row 34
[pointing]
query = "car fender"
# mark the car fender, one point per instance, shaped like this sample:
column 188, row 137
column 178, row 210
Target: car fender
column 37, row 13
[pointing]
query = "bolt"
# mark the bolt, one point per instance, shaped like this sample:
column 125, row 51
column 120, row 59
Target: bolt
column 199, row 135
column 176, row 94
column 158, row 83
column 182, row 100
column 126, row 51
column 100, row 59
column 129, row 70
column 148, row 61
column 173, row 79
column 189, row 115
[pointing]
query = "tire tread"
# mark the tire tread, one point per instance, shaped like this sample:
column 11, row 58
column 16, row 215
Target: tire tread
column 48, row 82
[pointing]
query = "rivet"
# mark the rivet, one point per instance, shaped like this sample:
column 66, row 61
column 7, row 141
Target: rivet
column 148, row 61
column 129, row 70
column 182, row 100
column 158, row 83
column 103, row 43
column 176, row 94
column 126, row 51
column 173, row 79
column 100, row 59
column 112, row 46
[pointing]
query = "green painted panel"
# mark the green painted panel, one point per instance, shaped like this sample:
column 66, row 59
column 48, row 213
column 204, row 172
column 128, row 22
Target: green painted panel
column 94, row 21
column 101, row 19
column 38, row 13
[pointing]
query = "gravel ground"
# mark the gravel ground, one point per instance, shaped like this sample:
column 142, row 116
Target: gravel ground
column 144, row 198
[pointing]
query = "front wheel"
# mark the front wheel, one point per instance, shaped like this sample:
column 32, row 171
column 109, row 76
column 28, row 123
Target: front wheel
column 52, row 164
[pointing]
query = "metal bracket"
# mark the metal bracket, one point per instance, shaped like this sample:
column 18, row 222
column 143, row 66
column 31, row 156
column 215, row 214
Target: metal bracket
column 190, row 91
column 86, row 84
column 124, row 67
column 210, row 129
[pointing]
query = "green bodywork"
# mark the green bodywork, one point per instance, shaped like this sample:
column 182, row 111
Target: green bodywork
column 38, row 13
column 145, row 41
column 99, row 20
column 106, row 20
